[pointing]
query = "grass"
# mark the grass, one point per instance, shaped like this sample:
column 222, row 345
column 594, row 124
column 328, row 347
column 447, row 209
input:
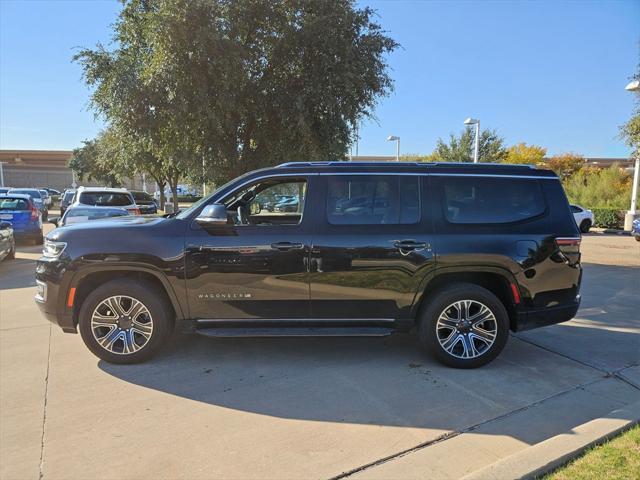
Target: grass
column 619, row 458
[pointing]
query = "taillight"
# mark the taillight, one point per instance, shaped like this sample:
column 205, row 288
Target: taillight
column 34, row 213
column 569, row 244
column 136, row 211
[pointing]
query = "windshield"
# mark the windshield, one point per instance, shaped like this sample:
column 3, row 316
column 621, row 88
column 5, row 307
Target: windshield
column 68, row 196
column 141, row 196
column 14, row 204
column 31, row 193
column 105, row 199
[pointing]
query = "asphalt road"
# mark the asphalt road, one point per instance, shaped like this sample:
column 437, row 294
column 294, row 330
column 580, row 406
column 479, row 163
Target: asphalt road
column 312, row 408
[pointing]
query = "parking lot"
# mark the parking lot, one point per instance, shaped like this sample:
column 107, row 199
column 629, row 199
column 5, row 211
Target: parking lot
column 309, row 408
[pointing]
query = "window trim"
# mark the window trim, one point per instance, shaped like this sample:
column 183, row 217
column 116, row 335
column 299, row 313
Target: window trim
column 418, row 221
column 544, row 213
column 303, row 214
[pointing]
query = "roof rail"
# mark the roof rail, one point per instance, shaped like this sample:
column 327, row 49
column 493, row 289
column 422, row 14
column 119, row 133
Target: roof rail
column 399, row 164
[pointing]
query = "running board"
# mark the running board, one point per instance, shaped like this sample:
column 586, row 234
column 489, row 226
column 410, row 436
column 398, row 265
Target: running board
column 295, row 331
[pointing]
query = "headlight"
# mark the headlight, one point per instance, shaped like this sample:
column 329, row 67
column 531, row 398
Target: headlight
column 53, row 249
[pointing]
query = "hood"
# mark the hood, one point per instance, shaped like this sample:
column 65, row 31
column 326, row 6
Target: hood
column 108, row 226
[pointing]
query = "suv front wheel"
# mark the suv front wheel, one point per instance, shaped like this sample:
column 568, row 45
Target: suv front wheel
column 464, row 326
column 124, row 321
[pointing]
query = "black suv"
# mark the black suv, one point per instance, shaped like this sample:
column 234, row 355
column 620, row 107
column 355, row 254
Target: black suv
column 460, row 253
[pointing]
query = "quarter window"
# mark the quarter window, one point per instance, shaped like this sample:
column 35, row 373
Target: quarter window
column 373, row 200
column 491, row 200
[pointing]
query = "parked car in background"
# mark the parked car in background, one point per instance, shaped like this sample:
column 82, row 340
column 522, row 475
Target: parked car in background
column 635, row 229
column 36, row 197
column 46, row 198
column 459, row 253
column 24, row 216
column 75, row 215
column 7, row 241
column 4, row 189
column 288, row 205
column 145, row 202
column 105, row 197
column 54, row 194
column 583, row 217
column 66, row 199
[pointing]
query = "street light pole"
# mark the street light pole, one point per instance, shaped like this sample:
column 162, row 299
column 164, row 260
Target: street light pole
column 632, row 213
column 393, row 138
column 1, row 174
column 476, row 148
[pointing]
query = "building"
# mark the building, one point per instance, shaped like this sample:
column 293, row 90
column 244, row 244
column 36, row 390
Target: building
column 43, row 168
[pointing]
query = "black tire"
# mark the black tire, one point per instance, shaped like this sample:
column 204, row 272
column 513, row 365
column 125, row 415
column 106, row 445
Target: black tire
column 157, row 306
column 446, row 297
column 12, row 252
column 585, row 226
column 38, row 240
column 637, row 237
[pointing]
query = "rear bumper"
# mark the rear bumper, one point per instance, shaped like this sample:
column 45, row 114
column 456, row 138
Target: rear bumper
column 543, row 317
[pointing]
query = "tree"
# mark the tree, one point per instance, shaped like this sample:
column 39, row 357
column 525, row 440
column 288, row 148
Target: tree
column 100, row 159
column 523, row 154
column 630, row 131
column 240, row 85
column 566, row 164
column 460, row 148
column 599, row 187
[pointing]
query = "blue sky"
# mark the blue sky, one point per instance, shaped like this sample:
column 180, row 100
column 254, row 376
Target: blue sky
column 550, row 73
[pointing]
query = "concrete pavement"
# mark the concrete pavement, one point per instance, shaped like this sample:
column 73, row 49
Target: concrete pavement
column 319, row 408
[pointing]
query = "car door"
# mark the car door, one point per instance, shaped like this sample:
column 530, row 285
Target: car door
column 256, row 266
column 373, row 247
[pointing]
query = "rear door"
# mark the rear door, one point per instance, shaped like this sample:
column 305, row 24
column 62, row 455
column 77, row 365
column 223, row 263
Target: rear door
column 372, row 248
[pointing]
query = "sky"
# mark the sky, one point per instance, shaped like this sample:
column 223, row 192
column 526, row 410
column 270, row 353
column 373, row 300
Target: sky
column 550, row 73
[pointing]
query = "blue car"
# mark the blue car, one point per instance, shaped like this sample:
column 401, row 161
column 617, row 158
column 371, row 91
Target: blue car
column 635, row 229
column 24, row 216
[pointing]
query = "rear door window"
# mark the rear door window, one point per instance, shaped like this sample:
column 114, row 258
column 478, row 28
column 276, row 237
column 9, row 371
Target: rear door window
column 14, row 204
column 373, row 200
column 105, row 199
column 476, row 200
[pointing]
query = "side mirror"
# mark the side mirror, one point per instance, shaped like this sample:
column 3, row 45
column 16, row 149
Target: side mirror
column 55, row 221
column 5, row 225
column 214, row 214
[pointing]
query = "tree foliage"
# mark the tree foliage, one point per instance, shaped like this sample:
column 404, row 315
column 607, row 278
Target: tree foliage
column 101, row 159
column 460, row 148
column 523, row 154
column 240, row 85
column 566, row 164
column 600, row 188
column 630, row 131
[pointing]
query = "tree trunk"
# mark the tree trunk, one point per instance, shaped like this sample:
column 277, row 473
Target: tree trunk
column 173, row 184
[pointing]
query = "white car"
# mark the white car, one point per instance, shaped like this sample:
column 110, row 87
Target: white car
column 583, row 217
column 105, row 197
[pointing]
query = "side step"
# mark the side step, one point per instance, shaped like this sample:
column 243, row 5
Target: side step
column 295, row 331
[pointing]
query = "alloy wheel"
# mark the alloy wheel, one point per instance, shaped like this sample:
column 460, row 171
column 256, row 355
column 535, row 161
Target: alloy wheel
column 121, row 324
column 466, row 329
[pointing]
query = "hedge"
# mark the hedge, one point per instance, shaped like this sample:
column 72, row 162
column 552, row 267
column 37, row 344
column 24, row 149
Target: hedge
column 608, row 218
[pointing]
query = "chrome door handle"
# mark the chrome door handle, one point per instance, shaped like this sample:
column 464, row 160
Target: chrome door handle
column 407, row 246
column 284, row 246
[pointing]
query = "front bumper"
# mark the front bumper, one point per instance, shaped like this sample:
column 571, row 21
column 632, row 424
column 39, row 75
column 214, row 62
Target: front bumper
column 52, row 288
column 542, row 317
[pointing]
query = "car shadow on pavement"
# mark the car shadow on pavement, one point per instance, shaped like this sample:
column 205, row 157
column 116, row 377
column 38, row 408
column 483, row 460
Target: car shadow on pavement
column 391, row 381
column 17, row 273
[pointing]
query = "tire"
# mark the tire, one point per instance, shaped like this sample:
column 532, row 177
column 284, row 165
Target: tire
column 467, row 349
column 38, row 240
column 12, row 252
column 585, row 225
column 148, row 334
column 637, row 237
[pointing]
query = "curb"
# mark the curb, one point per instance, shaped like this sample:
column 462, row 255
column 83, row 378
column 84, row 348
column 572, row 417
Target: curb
column 555, row 452
column 613, row 231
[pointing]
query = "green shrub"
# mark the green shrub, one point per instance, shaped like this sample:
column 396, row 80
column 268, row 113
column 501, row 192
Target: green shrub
column 608, row 218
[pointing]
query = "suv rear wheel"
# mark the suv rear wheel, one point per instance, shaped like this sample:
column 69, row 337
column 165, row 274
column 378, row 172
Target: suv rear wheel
column 124, row 321
column 464, row 326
